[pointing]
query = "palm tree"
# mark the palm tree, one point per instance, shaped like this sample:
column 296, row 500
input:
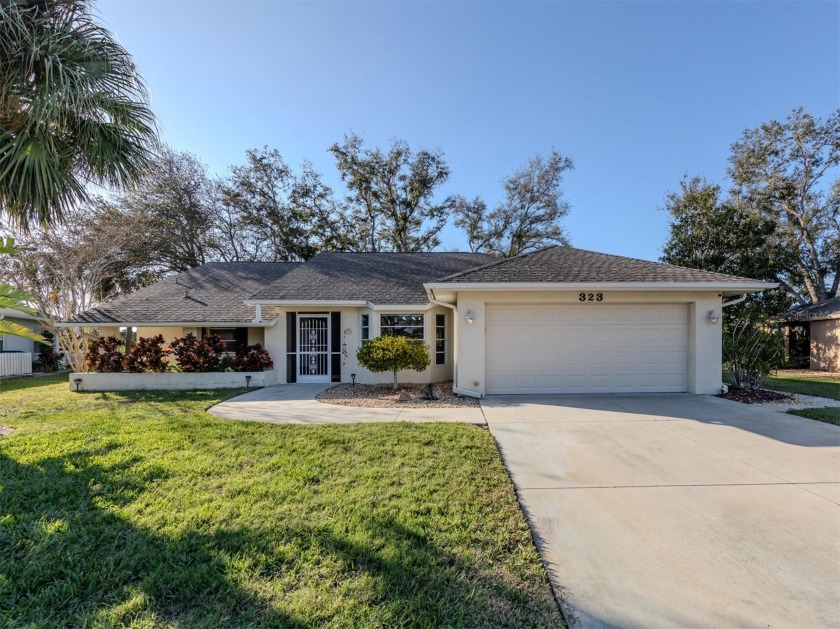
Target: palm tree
column 16, row 299
column 73, row 110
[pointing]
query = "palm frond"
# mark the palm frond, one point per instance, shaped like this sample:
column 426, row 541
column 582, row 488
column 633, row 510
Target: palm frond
column 17, row 299
column 73, row 110
column 15, row 329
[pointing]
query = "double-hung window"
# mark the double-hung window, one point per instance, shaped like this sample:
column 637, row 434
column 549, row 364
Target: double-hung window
column 409, row 325
column 365, row 328
column 440, row 339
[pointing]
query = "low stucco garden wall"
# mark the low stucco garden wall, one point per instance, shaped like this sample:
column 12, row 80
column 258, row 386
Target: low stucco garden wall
column 91, row 381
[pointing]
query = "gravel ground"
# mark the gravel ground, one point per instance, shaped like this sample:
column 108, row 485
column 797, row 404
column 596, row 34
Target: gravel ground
column 799, row 401
column 383, row 396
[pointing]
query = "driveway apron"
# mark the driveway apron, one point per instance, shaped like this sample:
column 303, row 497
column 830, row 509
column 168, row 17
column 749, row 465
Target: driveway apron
column 677, row 510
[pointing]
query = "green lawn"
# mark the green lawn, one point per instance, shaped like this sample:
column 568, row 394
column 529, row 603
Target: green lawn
column 806, row 385
column 829, row 415
column 140, row 510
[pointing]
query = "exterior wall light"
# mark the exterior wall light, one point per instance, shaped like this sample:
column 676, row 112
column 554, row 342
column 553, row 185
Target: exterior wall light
column 714, row 317
column 470, row 317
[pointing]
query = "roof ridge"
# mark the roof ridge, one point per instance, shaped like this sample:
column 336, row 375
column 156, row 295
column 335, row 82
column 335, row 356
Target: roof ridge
column 470, row 253
column 498, row 262
column 597, row 253
column 668, row 264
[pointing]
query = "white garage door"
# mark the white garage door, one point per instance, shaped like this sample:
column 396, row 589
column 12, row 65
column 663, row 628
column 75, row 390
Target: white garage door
column 592, row 348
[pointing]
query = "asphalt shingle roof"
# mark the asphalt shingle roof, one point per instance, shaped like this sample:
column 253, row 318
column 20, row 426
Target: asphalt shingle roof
column 216, row 292
column 823, row 310
column 381, row 278
column 567, row 264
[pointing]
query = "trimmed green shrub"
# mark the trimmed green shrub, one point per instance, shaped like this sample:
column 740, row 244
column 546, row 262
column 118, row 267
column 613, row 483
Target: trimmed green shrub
column 147, row 354
column 392, row 353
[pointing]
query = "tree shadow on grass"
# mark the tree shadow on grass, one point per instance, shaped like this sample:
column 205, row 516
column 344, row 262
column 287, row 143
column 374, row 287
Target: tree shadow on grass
column 68, row 558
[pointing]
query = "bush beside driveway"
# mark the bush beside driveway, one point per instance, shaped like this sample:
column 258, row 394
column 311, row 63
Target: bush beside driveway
column 140, row 509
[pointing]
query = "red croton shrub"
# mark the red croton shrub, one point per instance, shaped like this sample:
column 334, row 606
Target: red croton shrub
column 252, row 358
column 196, row 355
column 148, row 354
column 105, row 355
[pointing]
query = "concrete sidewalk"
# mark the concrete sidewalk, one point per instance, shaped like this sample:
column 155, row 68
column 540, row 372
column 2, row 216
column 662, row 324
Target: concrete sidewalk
column 296, row 404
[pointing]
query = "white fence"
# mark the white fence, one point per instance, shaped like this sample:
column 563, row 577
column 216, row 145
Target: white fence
column 15, row 364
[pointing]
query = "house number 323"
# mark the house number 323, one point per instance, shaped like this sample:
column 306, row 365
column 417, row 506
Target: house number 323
column 591, row 297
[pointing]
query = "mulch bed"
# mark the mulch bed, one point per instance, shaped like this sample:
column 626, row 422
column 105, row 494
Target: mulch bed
column 383, row 396
column 757, row 396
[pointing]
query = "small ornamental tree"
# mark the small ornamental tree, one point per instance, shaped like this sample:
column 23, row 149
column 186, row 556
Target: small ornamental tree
column 105, row 355
column 252, row 358
column 750, row 351
column 392, row 353
column 147, row 354
column 196, row 355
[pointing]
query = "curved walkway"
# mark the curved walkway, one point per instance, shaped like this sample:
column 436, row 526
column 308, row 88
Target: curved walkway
column 296, row 404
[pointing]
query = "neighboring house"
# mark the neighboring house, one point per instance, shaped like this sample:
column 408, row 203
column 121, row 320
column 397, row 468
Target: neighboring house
column 813, row 335
column 560, row 320
column 9, row 343
column 17, row 353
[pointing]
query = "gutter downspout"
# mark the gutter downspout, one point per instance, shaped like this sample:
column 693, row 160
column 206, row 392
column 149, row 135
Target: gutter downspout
column 455, row 388
column 732, row 302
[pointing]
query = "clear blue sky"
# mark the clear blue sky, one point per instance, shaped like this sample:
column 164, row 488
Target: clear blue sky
column 636, row 93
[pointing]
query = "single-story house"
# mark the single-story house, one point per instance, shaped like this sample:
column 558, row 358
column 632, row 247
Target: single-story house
column 9, row 343
column 558, row 320
column 17, row 353
column 812, row 334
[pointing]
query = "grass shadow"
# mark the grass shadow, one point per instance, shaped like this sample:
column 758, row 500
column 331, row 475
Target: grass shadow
column 69, row 556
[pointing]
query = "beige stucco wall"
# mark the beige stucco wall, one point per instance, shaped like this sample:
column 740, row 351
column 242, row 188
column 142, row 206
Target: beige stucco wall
column 825, row 345
column 704, row 337
column 275, row 343
column 169, row 333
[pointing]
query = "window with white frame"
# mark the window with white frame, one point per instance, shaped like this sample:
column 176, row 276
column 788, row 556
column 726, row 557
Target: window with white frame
column 440, row 339
column 227, row 336
column 365, row 329
column 408, row 325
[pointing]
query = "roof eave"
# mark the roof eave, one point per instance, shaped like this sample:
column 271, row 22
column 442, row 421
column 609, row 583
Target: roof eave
column 303, row 302
column 733, row 288
column 166, row 324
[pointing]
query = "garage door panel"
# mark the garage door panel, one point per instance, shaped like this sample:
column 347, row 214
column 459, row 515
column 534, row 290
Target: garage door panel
column 587, row 348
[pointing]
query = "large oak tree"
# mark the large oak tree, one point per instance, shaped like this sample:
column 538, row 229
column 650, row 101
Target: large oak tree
column 528, row 218
column 789, row 173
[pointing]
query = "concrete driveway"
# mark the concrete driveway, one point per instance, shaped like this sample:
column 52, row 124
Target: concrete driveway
column 678, row 510
column 296, row 404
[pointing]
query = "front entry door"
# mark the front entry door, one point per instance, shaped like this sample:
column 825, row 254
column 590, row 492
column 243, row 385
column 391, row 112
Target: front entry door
column 313, row 348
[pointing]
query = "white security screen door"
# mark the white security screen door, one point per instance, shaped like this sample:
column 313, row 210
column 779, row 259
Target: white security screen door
column 313, row 348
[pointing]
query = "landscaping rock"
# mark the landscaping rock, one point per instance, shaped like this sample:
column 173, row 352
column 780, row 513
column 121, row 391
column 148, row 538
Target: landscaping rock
column 383, row 396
